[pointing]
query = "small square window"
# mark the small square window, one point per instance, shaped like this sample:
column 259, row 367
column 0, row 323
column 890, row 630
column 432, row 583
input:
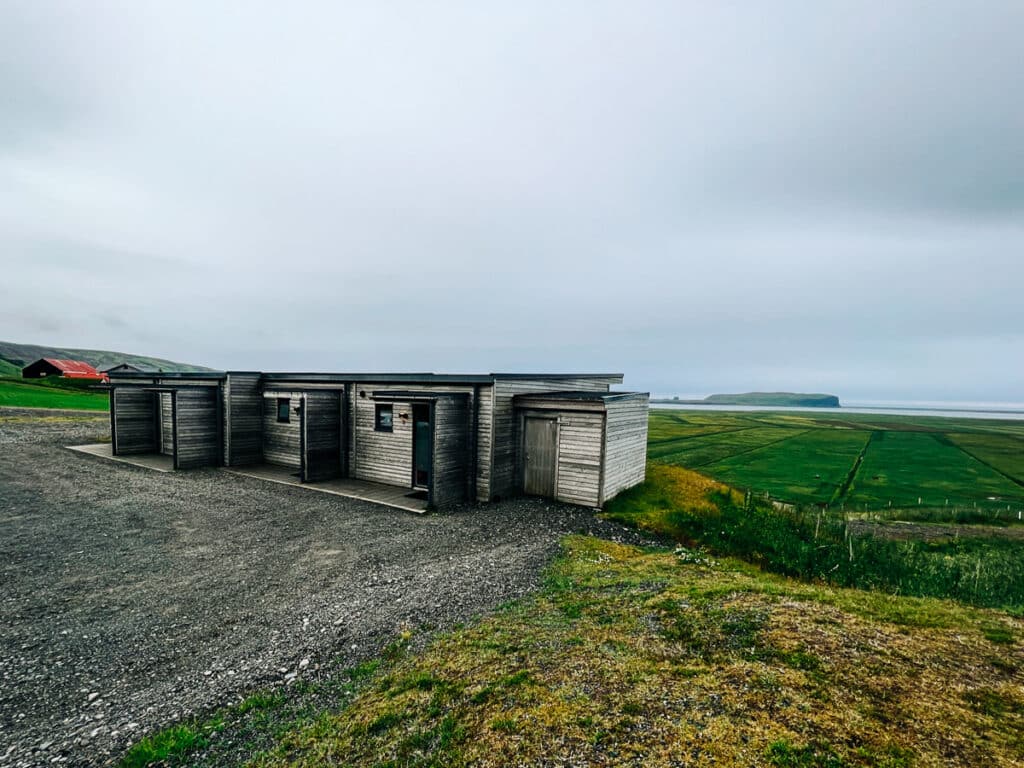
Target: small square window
column 383, row 421
column 284, row 410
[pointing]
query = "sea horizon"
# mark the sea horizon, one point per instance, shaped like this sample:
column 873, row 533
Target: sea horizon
column 975, row 409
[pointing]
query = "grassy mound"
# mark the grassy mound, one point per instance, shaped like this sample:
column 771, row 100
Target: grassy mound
column 817, row 545
column 665, row 658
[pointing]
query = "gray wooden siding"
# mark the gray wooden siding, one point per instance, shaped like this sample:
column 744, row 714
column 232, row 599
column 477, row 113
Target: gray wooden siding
column 243, row 420
column 451, row 444
column 166, row 424
column 485, row 438
column 625, row 461
column 282, row 443
column 321, row 420
column 505, row 425
column 382, row 458
column 134, row 420
column 171, row 381
column 197, row 427
column 579, row 458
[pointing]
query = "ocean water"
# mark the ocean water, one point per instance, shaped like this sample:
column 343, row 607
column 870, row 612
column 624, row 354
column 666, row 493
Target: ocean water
column 959, row 409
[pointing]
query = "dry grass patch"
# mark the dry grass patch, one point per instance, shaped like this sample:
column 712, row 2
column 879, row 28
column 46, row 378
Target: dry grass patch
column 660, row 658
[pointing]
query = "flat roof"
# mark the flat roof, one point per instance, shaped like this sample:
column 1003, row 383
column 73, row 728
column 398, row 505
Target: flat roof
column 396, row 394
column 427, row 377
column 175, row 387
column 576, row 396
column 383, row 378
column 168, row 375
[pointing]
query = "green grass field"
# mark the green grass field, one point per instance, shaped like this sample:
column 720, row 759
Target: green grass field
column 813, row 465
column 677, row 426
column 705, row 449
column 18, row 394
column 858, row 461
column 1002, row 453
column 902, row 467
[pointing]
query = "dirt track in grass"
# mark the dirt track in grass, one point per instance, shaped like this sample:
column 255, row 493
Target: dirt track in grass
column 917, row 531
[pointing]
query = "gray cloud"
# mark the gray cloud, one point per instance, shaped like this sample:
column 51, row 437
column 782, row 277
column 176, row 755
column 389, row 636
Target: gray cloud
column 705, row 196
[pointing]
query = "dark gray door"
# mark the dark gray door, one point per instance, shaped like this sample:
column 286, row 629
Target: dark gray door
column 422, row 446
column 321, row 436
column 135, row 421
column 540, row 444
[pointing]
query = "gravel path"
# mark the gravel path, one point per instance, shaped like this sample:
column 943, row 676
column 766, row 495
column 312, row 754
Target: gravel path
column 131, row 598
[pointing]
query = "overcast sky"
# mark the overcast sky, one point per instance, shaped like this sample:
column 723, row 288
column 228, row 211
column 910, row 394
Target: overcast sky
column 707, row 196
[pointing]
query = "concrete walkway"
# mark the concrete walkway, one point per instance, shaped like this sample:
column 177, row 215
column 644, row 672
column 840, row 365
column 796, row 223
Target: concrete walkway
column 378, row 493
column 157, row 461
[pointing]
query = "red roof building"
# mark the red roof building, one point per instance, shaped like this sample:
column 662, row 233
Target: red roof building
column 68, row 369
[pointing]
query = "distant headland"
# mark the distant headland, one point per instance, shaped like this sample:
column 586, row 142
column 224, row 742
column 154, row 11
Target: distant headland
column 790, row 399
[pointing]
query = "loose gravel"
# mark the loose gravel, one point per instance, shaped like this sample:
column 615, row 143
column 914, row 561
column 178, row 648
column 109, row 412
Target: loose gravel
column 131, row 599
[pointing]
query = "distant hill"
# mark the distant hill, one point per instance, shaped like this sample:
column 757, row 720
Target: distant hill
column 791, row 399
column 815, row 400
column 14, row 357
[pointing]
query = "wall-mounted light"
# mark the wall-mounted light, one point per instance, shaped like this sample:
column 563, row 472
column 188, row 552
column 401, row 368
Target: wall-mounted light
column 404, row 417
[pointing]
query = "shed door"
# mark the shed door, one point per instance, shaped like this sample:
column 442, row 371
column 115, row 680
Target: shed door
column 540, row 446
column 166, row 424
column 422, row 446
column 321, row 436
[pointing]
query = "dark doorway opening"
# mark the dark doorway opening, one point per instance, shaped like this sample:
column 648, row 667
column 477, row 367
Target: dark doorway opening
column 422, row 446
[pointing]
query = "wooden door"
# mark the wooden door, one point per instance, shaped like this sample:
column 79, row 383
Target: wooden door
column 166, row 424
column 321, row 436
column 422, row 446
column 540, row 456
column 134, row 418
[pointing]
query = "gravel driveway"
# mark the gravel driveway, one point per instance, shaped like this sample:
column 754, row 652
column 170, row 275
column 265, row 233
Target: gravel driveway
column 131, row 598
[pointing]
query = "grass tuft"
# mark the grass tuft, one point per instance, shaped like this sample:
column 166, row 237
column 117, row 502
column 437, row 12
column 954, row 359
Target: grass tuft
column 175, row 742
column 782, row 754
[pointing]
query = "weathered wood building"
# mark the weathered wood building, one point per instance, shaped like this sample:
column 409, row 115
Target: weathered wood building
column 451, row 437
column 125, row 368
